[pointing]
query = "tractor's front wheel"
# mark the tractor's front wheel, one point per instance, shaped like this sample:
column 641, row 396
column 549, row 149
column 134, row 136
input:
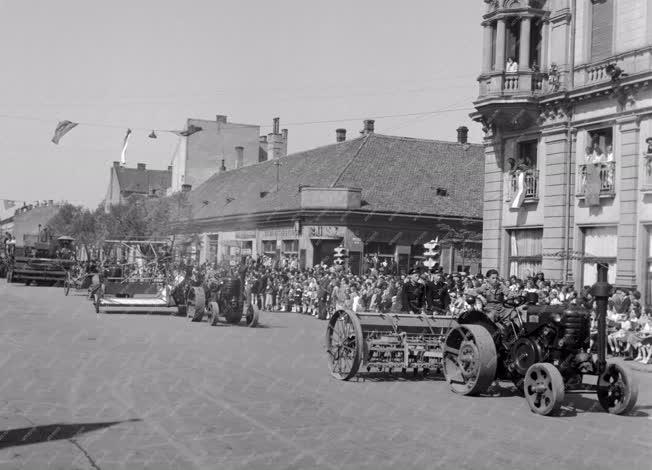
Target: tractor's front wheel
column 617, row 389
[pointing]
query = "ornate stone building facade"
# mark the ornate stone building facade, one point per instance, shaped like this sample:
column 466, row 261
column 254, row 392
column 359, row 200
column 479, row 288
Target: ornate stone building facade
column 566, row 106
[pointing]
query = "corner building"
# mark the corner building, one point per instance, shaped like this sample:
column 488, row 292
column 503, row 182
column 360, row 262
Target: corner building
column 566, row 106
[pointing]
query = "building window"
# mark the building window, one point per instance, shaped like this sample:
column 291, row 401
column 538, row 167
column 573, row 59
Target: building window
column 526, row 164
column 601, row 176
column 602, row 29
column 600, row 246
column 291, row 247
column 269, row 247
column 513, row 39
column 536, row 38
column 525, row 254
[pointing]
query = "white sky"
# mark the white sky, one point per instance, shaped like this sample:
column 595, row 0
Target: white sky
column 154, row 63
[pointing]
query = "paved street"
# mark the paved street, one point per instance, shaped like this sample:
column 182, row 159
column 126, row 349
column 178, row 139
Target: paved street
column 147, row 391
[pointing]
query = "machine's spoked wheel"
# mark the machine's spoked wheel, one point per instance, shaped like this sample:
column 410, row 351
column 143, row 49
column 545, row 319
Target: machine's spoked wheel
column 196, row 304
column 251, row 315
column 617, row 389
column 213, row 313
column 543, row 388
column 344, row 344
column 469, row 359
column 96, row 302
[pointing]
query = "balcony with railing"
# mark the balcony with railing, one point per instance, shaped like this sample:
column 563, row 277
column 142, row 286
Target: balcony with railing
column 526, row 84
column 612, row 68
column 607, row 175
column 530, row 186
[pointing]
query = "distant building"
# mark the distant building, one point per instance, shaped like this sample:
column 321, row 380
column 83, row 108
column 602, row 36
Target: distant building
column 222, row 145
column 381, row 197
column 125, row 182
column 27, row 219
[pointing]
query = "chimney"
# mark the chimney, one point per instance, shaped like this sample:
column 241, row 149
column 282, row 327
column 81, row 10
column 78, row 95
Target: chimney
column 462, row 134
column 116, row 164
column 340, row 135
column 220, row 118
column 276, row 125
column 169, row 167
column 284, row 137
column 51, row 202
column 368, row 126
column 239, row 157
column 222, row 167
column 185, row 188
column 262, row 139
column 141, row 166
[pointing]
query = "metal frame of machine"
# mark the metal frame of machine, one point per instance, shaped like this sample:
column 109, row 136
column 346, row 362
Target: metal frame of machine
column 136, row 292
column 385, row 342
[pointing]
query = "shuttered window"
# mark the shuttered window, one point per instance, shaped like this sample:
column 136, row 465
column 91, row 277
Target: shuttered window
column 525, row 254
column 602, row 28
column 600, row 247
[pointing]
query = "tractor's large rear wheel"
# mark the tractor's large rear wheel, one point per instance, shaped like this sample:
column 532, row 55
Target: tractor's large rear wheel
column 344, row 344
column 470, row 359
column 543, row 387
column 251, row 315
column 196, row 304
column 617, row 389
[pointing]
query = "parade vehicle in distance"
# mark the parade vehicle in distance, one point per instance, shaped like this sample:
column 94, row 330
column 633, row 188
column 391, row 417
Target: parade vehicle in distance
column 544, row 350
column 136, row 278
column 43, row 259
column 385, row 342
column 221, row 298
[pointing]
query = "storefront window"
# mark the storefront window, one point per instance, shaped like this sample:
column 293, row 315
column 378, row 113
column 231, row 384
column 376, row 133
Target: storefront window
column 269, row 247
column 600, row 246
column 291, row 246
column 525, row 252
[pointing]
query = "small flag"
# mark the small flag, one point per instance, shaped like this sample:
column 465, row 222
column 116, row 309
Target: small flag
column 123, row 155
column 152, row 135
column 519, row 196
column 62, row 129
column 192, row 129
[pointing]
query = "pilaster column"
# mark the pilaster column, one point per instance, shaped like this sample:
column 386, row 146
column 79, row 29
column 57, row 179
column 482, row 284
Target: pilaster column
column 524, row 50
column 499, row 66
column 486, row 48
column 492, row 230
column 627, row 161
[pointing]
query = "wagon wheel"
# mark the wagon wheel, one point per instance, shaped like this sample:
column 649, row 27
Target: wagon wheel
column 469, row 359
column 232, row 315
column 344, row 344
column 543, row 387
column 196, row 304
column 617, row 389
column 251, row 315
column 213, row 313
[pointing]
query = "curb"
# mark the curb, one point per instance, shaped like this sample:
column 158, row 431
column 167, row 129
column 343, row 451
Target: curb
column 638, row 367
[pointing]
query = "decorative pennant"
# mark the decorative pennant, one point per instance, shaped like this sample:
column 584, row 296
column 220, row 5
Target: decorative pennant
column 123, row 155
column 62, row 129
column 519, row 196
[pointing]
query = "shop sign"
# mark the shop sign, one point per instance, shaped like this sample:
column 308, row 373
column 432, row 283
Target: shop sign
column 245, row 235
column 280, row 233
column 326, row 231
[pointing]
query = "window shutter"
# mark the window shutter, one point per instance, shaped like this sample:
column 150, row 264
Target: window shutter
column 602, row 29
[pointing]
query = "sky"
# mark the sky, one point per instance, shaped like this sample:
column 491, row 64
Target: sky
column 152, row 64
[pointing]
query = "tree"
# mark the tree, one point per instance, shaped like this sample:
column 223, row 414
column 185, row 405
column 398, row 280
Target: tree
column 464, row 240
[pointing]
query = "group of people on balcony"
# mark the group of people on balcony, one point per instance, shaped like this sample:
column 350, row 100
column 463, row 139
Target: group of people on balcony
column 594, row 154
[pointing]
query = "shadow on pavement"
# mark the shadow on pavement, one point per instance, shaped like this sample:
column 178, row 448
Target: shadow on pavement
column 50, row 432
column 577, row 404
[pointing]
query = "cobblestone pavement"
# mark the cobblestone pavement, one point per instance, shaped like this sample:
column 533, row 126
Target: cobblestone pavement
column 114, row 391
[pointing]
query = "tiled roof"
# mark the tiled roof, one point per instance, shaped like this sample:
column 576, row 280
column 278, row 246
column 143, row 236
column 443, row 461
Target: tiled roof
column 133, row 180
column 396, row 174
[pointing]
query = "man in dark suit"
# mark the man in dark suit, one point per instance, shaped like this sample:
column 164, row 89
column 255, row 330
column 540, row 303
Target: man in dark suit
column 414, row 292
column 437, row 297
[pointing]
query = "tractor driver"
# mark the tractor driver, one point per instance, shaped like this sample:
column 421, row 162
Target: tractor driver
column 494, row 293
